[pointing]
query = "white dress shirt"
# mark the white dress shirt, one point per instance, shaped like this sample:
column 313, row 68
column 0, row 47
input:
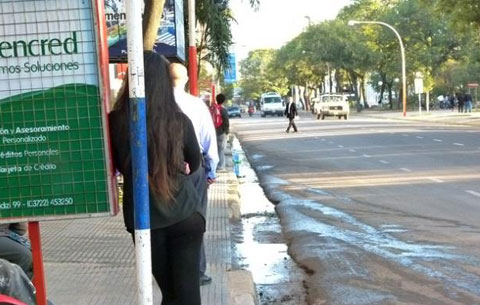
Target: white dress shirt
column 198, row 113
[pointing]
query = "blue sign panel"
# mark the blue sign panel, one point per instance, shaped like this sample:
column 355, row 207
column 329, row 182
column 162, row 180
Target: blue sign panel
column 230, row 73
column 170, row 40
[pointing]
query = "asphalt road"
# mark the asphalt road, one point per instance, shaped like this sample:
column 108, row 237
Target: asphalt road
column 377, row 211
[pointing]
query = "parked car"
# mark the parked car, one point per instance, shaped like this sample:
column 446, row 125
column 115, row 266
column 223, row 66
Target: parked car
column 234, row 111
column 331, row 105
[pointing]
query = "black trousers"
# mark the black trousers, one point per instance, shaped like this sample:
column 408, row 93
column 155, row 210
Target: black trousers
column 291, row 123
column 199, row 179
column 176, row 260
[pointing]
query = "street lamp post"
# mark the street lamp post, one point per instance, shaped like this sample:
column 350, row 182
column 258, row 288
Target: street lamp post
column 402, row 51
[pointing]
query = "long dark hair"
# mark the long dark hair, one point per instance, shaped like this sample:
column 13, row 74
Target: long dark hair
column 165, row 127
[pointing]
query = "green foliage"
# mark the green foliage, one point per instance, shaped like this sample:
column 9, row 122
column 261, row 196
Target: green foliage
column 462, row 13
column 447, row 56
column 259, row 74
column 214, row 18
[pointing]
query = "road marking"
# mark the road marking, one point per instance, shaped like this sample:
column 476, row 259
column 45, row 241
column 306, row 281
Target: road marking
column 473, row 193
column 435, row 180
column 352, row 150
column 458, row 144
column 384, row 162
column 340, row 146
column 419, row 137
column 405, row 135
column 437, row 140
column 366, row 156
column 405, row 169
column 323, row 140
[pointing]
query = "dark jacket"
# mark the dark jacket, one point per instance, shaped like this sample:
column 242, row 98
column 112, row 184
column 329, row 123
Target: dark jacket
column 162, row 214
column 225, row 128
column 291, row 112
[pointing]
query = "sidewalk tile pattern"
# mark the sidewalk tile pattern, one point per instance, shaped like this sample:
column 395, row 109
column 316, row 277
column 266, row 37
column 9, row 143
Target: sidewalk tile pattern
column 91, row 261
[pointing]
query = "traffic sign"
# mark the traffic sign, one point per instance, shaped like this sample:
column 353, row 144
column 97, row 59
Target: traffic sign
column 54, row 158
column 472, row 85
column 418, row 85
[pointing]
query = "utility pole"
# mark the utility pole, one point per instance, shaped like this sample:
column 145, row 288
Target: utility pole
column 138, row 144
column 192, row 49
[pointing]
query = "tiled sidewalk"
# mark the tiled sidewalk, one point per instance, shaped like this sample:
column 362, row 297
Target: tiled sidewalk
column 91, row 261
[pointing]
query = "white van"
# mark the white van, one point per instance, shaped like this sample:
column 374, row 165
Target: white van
column 271, row 104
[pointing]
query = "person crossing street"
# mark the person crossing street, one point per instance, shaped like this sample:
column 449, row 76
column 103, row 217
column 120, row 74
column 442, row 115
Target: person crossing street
column 291, row 113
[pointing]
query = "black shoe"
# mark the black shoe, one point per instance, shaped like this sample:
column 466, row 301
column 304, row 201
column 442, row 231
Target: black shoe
column 287, row 131
column 205, row 280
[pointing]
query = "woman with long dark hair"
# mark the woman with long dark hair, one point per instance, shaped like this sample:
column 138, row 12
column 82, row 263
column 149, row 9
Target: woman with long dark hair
column 177, row 223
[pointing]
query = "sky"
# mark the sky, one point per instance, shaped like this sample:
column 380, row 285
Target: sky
column 277, row 21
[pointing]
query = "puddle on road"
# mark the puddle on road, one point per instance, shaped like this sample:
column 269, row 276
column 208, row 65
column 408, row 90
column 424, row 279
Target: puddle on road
column 260, row 246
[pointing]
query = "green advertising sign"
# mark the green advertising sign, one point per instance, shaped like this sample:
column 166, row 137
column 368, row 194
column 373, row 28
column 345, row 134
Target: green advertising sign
column 53, row 150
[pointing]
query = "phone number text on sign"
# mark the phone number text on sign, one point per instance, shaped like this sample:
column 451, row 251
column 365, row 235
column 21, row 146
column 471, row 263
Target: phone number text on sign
column 37, row 203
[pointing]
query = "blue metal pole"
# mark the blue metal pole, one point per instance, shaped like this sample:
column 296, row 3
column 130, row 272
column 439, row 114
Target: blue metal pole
column 138, row 144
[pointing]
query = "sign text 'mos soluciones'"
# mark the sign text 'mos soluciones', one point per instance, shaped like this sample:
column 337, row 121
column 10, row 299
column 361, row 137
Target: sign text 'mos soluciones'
column 38, row 48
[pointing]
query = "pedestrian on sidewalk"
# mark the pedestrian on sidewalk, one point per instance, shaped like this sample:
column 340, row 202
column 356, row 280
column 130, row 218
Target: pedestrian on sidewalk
column 176, row 217
column 198, row 113
column 452, row 100
column 461, row 102
column 222, row 129
column 468, row 102
column 15, row 246
column 291, row 113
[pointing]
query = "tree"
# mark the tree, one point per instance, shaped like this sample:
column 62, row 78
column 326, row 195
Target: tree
column 428, row 41
column 214, row 18
column 258, row 75
column 335, row 44
column 294, row 63
column 463, row 13
column 214, row 14
column 151, row 21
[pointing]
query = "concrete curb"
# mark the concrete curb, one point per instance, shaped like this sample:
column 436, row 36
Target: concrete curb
column 241, row 287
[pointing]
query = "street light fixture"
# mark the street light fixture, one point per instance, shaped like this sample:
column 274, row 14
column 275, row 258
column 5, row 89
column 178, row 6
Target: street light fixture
column 309, row 20
column 402, row 51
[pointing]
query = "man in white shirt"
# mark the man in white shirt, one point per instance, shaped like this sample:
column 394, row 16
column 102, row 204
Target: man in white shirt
column 198, row 113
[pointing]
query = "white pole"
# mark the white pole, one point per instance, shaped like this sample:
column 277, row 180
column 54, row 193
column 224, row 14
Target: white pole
column 136, row 78
column 420, row 103
column 427, row 101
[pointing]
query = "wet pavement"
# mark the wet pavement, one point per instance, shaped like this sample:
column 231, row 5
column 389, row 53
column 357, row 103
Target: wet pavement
column 259, row 243
column 354, row 251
